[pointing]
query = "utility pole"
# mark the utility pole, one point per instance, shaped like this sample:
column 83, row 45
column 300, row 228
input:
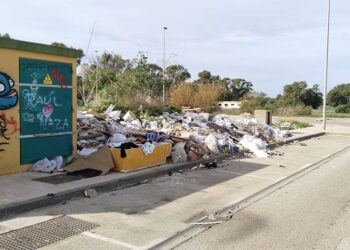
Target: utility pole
column 326, row 68
column 164, row 29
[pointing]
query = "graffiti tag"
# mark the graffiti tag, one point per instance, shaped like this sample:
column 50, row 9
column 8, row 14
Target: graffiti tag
column 60, row 78
column 39, row 109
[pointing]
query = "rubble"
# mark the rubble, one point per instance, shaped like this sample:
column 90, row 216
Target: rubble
column 199, row 134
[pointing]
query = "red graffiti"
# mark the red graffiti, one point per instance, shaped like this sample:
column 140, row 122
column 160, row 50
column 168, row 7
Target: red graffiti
column 60, row 78
column 6, row 123
column 47, row 110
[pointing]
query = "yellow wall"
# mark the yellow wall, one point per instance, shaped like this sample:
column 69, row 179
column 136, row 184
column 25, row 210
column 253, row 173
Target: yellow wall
column 9, row 64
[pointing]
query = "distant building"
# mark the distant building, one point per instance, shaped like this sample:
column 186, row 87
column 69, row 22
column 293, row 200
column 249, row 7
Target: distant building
column 229, row 104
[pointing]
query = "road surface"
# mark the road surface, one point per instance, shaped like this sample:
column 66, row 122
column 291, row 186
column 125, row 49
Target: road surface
column 313, row 212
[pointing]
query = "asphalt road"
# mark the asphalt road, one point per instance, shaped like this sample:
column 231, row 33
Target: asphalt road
column 313, row 212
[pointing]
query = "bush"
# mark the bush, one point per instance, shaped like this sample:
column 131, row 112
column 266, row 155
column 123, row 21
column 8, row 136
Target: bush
column 342, row 109
column 206, row 95
column 297, row 124
column 255, row 102
column 298, row 110
column 301, row 109
column 173, row 109
column 181, row 95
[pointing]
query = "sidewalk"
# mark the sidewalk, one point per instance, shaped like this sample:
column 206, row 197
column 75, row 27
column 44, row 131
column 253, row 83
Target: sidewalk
column 21, row 192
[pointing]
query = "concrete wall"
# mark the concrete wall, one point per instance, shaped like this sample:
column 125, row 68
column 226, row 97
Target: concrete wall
column 10, row 120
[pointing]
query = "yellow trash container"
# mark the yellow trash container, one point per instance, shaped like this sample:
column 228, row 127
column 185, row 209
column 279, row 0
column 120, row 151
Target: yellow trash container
column 136, row 159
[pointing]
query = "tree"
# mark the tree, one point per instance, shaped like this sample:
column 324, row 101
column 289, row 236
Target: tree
column 235, row 89
column 5, row 35
column 255, row 100
column 312, row 97
column 106, row 70
column 62, row 45
column 339, row 95
column 293, row 93
column 112, row 61
column 177, row 73
column 57, row 44
column 204, row 76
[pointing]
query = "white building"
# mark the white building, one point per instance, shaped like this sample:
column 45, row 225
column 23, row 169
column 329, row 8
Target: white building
column 229, row 104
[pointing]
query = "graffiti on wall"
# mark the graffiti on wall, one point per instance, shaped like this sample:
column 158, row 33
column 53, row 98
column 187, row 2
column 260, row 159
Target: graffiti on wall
column 8, row 95
column 39, row 109
column 8, row 99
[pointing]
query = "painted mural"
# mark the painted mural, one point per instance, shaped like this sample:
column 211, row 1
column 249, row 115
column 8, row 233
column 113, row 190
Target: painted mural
column 8, row 95
column 8, row 100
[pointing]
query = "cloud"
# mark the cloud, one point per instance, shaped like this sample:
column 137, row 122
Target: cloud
column 269, row 42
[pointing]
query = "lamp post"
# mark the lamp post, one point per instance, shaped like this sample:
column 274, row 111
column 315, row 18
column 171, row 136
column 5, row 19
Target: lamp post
column 164, row 29
column 326, row 67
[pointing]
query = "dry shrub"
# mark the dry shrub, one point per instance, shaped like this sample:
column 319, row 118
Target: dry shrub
column 297, row 110
column 206, row 95
column 181, row 95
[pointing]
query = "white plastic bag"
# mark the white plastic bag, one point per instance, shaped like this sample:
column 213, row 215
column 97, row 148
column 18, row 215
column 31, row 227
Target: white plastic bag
column 44, row 165
column 255, row 145
column 178, row 153
column 117, row 138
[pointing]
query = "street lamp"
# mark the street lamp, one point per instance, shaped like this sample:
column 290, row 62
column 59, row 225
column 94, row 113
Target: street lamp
column 164, row 29
column 326, row 68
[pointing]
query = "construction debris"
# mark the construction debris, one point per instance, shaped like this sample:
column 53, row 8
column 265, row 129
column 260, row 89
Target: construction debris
column 193, row 135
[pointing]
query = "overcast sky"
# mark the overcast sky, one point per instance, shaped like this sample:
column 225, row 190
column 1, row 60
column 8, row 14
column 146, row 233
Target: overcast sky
column 268, row 42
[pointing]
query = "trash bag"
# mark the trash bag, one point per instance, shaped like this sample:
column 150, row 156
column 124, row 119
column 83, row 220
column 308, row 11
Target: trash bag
column 178, row 153
column 47, row 166
column 118, row 138
column 255, row 145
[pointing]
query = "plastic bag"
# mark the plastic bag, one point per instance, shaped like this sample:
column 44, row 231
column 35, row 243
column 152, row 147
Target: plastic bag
column 178, row 153
column 117, row 138
column 255, row 145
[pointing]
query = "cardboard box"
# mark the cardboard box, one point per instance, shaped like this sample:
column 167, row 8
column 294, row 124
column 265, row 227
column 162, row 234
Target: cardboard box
column 136, row 159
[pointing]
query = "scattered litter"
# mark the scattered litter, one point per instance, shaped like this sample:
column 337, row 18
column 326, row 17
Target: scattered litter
column 211, row 217
column 90, row 193
column 47, row 166
column 211, row 165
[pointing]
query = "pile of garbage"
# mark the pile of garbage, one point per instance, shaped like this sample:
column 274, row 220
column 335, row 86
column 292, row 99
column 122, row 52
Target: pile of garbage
column 193, row 136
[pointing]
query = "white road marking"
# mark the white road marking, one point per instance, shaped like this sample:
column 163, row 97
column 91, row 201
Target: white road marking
column 250, row 175
column 112, row 241
column 307, row 165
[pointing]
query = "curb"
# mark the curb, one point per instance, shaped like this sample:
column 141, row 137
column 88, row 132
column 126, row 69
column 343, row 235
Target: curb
column 124, row 182
column 297, row 138
column 128, row 181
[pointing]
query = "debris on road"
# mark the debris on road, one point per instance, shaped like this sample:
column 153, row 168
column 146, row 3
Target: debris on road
column 90, row 193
